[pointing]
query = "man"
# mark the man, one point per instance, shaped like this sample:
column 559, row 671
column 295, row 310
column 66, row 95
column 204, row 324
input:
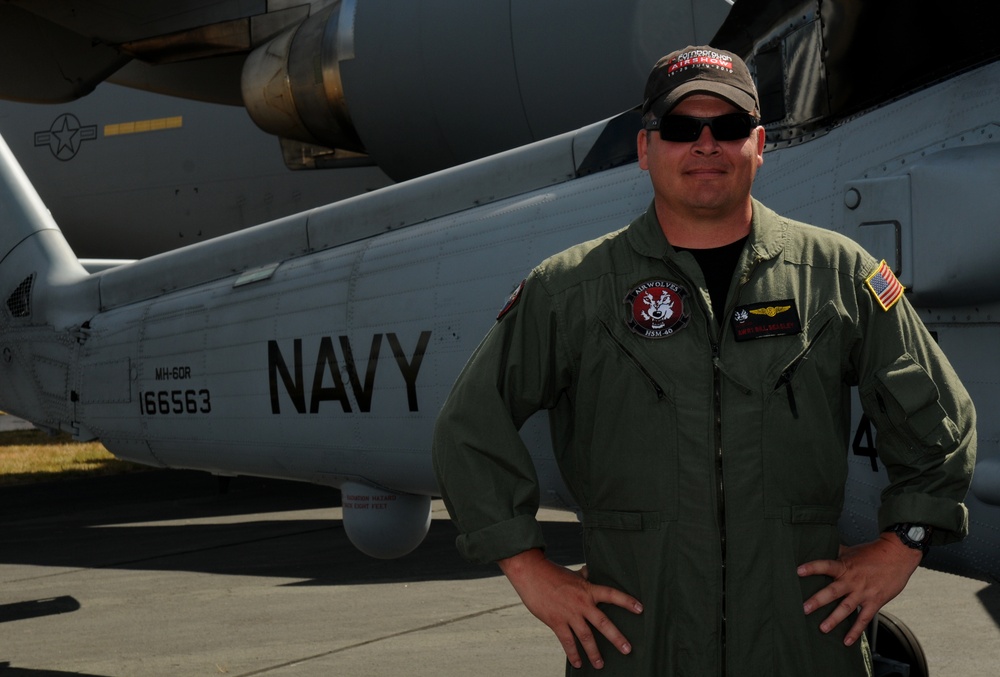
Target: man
column 696, row 367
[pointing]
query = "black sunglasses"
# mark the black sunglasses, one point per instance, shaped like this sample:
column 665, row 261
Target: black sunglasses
column 685, row 129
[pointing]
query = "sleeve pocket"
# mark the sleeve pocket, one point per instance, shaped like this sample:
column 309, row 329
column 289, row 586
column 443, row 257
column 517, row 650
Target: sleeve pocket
column 905, row 399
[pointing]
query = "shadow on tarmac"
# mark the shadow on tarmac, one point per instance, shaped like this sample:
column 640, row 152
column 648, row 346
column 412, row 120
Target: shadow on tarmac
column 37, row 608
column 112, row 522
column 989, row 597
column 7, row 671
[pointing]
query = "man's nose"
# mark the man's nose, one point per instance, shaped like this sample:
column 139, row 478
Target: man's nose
column 705, row 143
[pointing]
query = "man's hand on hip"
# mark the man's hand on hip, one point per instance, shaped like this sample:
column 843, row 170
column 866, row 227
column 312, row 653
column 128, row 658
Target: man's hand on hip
column 866, row 576
column 567, row 602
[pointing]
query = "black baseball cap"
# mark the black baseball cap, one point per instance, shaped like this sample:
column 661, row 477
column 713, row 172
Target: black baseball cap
column 699, row 70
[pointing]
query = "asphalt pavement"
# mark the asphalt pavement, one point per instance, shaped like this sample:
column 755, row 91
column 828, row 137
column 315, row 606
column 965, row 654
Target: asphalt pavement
column 158, row 573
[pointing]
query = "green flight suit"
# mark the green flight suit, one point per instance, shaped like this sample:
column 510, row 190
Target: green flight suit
column 706, row 468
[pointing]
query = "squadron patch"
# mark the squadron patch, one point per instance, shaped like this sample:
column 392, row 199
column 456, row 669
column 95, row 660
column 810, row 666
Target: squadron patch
column 511, row 301
column 885, row 286
column 655, row 309
column 764, row 320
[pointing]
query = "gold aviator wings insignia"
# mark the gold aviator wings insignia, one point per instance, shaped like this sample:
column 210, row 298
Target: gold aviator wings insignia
column 770, row 311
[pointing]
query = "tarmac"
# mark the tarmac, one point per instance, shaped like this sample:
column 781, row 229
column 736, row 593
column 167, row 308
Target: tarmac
column 159, row 573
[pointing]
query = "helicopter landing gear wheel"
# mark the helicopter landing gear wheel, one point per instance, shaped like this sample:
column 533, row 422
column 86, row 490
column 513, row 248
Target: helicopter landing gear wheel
column 895, row 649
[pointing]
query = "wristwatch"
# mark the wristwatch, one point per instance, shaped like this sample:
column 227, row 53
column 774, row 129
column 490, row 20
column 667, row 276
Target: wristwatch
column 916, row 536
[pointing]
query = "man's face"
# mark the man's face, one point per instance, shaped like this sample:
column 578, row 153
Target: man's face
column 703, row 178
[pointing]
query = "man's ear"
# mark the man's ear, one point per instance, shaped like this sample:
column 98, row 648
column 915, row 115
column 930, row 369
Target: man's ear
column 641, row 144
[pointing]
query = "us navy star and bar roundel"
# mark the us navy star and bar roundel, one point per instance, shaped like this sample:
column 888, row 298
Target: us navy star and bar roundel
column 885, row 286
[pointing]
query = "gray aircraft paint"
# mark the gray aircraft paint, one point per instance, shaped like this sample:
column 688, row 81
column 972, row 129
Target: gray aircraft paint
column 137, row 173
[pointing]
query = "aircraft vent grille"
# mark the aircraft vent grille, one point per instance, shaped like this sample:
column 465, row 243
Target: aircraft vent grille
column 19, row 302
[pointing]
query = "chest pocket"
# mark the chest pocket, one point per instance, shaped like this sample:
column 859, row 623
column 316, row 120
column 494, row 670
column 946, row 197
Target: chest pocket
column 806, row 412
column 624, row 428
column 810, row 356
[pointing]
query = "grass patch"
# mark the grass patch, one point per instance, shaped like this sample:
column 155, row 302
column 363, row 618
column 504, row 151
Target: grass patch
column 28, row 456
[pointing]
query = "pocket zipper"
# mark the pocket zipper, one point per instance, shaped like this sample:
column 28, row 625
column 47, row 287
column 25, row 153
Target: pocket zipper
column 786, row 375
column 660, row 394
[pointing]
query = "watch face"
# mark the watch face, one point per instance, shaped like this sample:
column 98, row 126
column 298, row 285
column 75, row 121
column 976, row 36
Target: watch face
column 917, row 533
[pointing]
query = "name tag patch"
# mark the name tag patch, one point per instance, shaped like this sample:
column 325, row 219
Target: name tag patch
column 765, row 320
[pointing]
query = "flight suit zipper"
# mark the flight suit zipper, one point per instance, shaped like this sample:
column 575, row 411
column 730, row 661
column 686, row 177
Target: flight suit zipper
column 720, row 486
column 720, row 478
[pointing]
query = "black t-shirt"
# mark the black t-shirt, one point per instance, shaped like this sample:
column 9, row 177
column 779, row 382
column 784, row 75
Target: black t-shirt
column 718, row 265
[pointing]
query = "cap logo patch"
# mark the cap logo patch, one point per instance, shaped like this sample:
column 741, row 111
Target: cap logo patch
column 700, row 58
column 885, row 286
column 764, row 320
column 655, row 309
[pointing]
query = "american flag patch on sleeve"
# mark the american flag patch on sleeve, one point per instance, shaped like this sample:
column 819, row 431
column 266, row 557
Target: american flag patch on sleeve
column 885, row 286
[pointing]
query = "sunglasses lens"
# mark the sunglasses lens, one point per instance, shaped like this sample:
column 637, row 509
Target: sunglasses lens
column 731, row 127
column 685, row 129
column 679, row 128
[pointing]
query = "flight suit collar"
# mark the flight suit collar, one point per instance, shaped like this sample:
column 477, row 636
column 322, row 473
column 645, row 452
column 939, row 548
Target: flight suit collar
column 767, row 234
column 646, row 236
